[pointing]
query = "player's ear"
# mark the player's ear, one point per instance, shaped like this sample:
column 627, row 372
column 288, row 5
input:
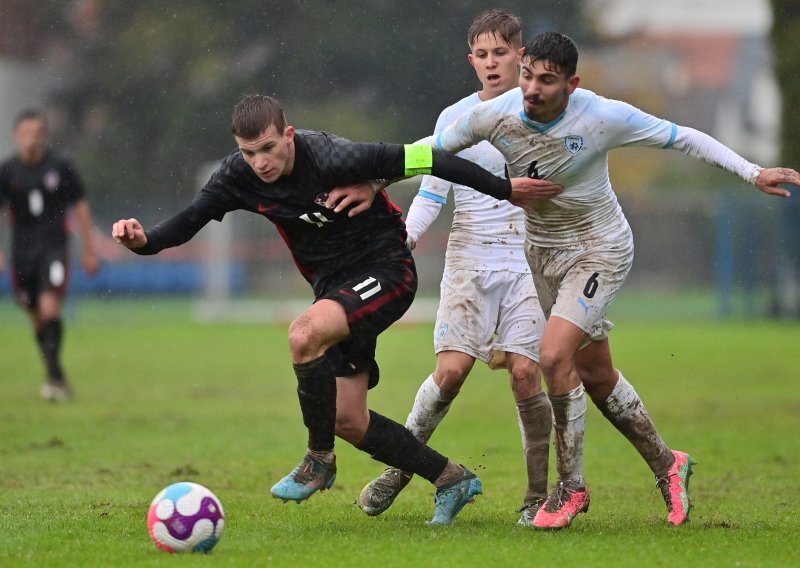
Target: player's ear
column 520, row 53
column 288, row 134
column 572, row 83
column 471, row 59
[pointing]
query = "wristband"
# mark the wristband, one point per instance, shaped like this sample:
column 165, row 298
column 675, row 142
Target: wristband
column 754, row 176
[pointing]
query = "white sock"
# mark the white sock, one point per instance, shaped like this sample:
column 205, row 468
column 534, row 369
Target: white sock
column 430, row 408
column 569, row 413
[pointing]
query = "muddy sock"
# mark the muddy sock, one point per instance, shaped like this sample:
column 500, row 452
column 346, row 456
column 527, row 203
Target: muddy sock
column 626, row 411
column 569, row 413
column 430, row 408
column 535, row 423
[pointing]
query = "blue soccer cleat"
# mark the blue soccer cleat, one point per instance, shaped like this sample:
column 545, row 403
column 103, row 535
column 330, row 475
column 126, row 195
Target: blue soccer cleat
column 310, row 476
column 449, row 500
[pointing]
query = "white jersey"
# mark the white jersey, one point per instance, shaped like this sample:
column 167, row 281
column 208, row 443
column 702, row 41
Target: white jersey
column 486, row 234
column 572, row 151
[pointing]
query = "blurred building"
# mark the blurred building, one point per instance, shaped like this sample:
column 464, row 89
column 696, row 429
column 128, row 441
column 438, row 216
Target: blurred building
column 706, row 64
column 709, row 61
column 21, row 85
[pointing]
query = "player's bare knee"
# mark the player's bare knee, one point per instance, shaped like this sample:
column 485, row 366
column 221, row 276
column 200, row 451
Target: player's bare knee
column 526, row 378
column 450, row 378
column 554, row 362
column 351, row 426
column 48, row 307
column 305, row 341
column 523, row 369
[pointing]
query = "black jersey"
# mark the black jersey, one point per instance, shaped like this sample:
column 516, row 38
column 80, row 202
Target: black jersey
column 38, row 197
column 321, row 241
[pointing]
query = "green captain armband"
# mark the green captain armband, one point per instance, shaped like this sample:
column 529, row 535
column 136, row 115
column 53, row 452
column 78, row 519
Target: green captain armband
column 419, row 159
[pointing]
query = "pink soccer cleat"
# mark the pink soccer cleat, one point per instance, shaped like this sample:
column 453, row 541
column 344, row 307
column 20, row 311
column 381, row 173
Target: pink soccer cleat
column 675, row 488
column 565, row 502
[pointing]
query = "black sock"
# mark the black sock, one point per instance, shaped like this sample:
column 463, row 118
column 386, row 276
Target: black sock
column 316, row 389
column 49, row 338
column 393, row 444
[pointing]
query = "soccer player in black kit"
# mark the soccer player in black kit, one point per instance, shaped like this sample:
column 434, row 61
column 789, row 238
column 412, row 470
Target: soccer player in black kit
column 39, row 186
column 360, row 269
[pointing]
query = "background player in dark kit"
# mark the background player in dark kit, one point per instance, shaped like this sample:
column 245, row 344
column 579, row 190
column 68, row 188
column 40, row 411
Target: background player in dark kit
column 39, row 186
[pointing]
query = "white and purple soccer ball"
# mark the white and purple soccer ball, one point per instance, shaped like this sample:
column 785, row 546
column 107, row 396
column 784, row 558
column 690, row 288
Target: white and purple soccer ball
column 186, row 517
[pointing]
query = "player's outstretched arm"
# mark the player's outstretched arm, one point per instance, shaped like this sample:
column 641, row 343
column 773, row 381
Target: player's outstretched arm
column 422, row 159
column 769, row 181
column 129, row 233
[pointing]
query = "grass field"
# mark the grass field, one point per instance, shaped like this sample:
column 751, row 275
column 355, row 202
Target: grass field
column 162, row 399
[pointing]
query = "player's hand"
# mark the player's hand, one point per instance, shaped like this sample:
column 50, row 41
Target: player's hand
column 411, row 243
column 91, row 263
column 359, row 195
column 527, row 191
column 129, row 233
column 769, row 180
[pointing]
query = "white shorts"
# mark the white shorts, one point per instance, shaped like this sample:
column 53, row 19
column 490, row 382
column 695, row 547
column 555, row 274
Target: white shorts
column 579, row 285
column 484, row 311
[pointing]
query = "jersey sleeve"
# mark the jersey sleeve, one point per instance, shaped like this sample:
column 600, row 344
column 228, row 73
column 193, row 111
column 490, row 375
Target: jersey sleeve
column 421, row 215
column 625, row 125
column 472, row 127
column 431, row 187
column 342, row 161
column 632, row 127
column 347, row 162
column 704, row 147
column 432, row 194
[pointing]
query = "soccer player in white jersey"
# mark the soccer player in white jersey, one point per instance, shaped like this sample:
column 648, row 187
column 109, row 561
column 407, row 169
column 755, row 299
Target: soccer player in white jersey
column 580, row 249
column 488, row 300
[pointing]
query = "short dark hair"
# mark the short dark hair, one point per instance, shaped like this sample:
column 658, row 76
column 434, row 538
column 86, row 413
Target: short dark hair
column 30, row 114
column 254, row 114
column 558, row 50
column 497, row 23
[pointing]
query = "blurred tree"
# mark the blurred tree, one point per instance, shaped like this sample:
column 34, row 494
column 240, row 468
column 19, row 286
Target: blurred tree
column 145, row 88
column 786, row 39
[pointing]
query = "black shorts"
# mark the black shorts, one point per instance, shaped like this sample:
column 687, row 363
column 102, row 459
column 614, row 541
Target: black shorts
column 37, row 273
column 374, row 296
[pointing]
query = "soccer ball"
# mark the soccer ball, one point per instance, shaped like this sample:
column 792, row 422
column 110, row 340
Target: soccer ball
column 185, row 517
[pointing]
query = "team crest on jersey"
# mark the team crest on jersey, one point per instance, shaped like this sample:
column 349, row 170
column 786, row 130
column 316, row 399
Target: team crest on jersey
column 51, row 180
column 573, row 143
column 321, row 199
